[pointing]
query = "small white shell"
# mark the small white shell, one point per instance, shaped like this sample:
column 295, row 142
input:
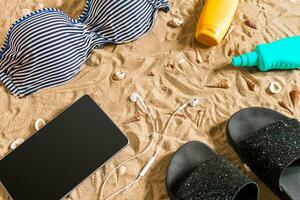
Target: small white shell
column 16, row 143
column 39, row 123
column 25, row 11
column 59, row 3
column 199, row 58
column 175, row 22
column 181, row 61
column 39, row 6
column 275, row 87
column 247, row 168
column 120, row 75
column 122, row 170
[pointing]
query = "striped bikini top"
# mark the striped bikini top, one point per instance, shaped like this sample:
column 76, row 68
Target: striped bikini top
column 47, row 48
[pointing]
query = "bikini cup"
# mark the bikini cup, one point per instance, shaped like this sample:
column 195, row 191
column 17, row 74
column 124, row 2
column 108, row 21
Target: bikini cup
column 47, row 48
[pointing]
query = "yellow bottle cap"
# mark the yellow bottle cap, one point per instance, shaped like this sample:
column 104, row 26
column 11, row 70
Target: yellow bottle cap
column 208, row 36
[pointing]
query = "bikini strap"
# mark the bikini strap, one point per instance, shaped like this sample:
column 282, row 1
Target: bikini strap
column 160, row 4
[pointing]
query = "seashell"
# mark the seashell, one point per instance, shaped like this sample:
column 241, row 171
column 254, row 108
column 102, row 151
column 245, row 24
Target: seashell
column 247, row 168
column 175, row 22
column 133, row 119
column 250, row 24
column 132, row 82
column 181, row 61
column 26, row 11
column 295, row 96
column 251, row 83
column 151, row 74
column 199, row 58
column 118, row 76
column 170, row 65
column 16, row 143
column 59, row 3
column 39, row 123
column 285, row 106
column 234, row 52
column 275, row 87
column 179, row 115
column 122, row 170
column 39, row 6
column 223, row 84
column 230, row 52
column 200, row 117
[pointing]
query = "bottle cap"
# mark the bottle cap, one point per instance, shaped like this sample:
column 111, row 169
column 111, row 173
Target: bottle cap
column 245, row 60
column 208, row 36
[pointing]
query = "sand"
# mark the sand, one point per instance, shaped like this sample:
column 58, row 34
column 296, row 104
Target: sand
column 171, row 56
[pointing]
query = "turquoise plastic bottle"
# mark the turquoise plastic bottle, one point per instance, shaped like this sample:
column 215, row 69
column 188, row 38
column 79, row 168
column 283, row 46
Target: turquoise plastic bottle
column 282, row 54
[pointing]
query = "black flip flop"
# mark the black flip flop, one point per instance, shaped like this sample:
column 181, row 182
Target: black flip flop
column 196, row 172
column 269, row 143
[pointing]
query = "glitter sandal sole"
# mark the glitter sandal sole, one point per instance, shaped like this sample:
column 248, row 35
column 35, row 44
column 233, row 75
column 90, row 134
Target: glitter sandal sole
column 196, row 172
column 269, row 143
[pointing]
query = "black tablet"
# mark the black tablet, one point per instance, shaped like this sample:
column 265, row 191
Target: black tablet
column 62, row 154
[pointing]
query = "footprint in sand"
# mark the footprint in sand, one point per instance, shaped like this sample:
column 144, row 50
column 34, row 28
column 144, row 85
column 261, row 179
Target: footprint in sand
column 171, row 36
column 187, row 12
column 166, row 91
column 94, row 60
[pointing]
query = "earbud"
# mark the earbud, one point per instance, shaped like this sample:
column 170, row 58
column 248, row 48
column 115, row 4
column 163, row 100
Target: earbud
column 135, row 97
column 194, row 102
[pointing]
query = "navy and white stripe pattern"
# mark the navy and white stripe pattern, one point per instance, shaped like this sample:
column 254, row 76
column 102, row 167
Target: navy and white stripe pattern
column 47, row 48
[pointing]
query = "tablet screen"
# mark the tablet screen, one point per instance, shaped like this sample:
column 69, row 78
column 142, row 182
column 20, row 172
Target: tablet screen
column 62, row 154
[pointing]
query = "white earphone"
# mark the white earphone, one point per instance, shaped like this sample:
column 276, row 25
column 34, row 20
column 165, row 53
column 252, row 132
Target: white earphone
column 134, row 98
column 193, row 103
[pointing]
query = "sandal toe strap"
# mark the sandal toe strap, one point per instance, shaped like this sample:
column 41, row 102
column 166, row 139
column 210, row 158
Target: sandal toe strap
column 213, row 180
column 272, row 149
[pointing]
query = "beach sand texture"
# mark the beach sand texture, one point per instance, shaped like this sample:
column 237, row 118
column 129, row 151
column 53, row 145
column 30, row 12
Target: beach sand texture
column 166, row 69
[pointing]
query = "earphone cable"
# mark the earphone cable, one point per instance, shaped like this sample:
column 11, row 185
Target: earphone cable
column 129, row 159
column 164, row 132
column 151, row 161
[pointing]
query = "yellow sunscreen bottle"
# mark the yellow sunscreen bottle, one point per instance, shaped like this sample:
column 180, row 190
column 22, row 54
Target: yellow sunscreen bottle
column 215, row 20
